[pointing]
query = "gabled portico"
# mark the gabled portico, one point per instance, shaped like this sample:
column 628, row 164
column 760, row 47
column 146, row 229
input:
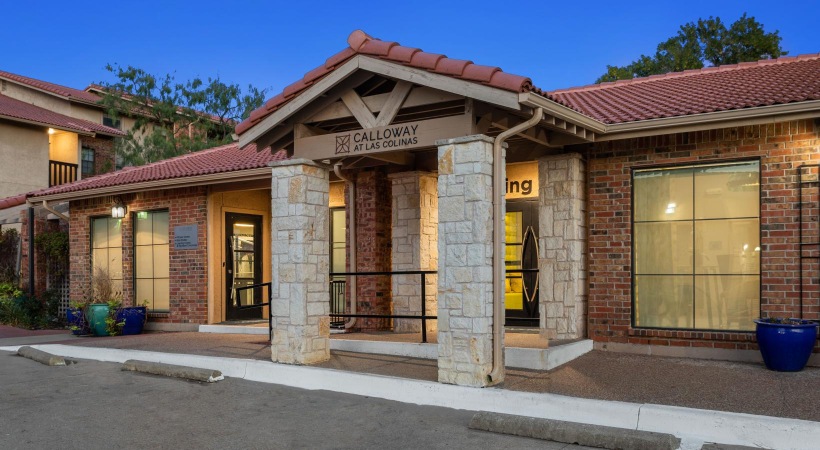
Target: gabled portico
column 387, row 121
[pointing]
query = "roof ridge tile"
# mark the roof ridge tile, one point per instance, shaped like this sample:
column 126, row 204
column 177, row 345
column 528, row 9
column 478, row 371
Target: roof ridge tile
column 362, row 43
column 690, row 72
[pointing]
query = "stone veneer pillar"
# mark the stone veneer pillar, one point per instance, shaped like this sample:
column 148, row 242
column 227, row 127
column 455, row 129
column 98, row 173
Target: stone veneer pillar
column 465, row 275
column 415, row 246
column 562, row 246
column 300, row 262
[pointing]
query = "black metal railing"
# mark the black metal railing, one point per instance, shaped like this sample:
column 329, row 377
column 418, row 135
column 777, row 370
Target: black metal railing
column 338, row 300
column 61, row 173
column 422, row 279
column 259, row 305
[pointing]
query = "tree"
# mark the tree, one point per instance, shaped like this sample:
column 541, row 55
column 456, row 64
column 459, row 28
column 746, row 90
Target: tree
column 171, row 118
column 707, row 42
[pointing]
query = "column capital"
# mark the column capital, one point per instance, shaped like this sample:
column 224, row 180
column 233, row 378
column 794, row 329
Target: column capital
column 466, row 139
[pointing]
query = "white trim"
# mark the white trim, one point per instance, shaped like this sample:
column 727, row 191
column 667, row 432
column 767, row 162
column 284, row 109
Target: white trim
column 259, row 173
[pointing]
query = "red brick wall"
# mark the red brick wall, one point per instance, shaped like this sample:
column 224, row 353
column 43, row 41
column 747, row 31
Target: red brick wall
column 188, row 268
column 374, row 242
column 781, row 147
column 103, row 153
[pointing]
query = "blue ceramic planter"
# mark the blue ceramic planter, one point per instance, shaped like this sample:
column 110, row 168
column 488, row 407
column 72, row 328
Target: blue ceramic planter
column 786, row 347
column 134, row 318
column 76, row 320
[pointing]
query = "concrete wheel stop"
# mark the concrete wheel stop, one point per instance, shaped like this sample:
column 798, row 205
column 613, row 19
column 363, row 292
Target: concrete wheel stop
column 573, row 433
column 173, row 371
column 41, row 356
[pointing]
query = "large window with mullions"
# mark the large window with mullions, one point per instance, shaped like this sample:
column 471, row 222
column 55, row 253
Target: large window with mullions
column 696, row 247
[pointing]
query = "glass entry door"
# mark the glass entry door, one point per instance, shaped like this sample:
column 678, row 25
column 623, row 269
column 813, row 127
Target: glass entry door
column 243, row 265
column 521, row 284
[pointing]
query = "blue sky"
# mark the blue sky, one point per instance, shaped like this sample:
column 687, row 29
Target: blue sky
column 270, row 43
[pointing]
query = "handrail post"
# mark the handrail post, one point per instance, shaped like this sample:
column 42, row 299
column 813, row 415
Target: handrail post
column 270, row 312
column 423, row 309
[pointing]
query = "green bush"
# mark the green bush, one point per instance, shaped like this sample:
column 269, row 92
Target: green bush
column 9, row 243
column 20, row 310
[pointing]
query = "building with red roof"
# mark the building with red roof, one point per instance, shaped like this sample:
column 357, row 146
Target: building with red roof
column 659, row 215
column 49, row 135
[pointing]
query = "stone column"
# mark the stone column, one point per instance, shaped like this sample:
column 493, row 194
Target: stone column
column 465, row 275
column 415, row 246
column 562, row 246
column 300, row 262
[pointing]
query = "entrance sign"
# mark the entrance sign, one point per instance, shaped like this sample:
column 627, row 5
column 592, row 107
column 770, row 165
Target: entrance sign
column 403, row 136
column 522, row 180
column 186, row 237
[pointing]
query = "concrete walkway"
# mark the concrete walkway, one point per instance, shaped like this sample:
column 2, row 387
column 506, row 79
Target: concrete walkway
column 609, row 386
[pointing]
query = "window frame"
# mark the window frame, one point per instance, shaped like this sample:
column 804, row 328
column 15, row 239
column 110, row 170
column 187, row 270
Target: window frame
column 332, row 242
column 115, row 122
column 134, row 246
column 91, row 248
column 93, row 161
column 695, row 165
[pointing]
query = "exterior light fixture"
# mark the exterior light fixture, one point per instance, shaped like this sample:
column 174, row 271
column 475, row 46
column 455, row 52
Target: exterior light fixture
column 51, row 131
column 118, row 210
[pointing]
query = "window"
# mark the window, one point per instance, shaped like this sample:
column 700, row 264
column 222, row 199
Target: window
column 106, row 249
column 112, row 122
column 338, row 257
column 87, row 162
column 696, row 247
column 151, row 259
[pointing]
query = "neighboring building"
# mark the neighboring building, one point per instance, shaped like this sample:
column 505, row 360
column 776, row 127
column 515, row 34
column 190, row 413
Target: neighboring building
column 657, row 215
column 51, row 135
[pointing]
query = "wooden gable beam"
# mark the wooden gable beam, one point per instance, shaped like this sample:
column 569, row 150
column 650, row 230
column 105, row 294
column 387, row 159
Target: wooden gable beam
column 393, row 103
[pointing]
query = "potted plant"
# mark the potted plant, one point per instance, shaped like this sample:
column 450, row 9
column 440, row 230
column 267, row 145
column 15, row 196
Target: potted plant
column 76, row 317
column 133, row 318
column 786, row 343
column 100, row 313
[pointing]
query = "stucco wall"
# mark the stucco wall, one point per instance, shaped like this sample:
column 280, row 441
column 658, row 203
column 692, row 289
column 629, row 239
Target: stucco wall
column 64, row 146
column 27, row 147
column 37, row 98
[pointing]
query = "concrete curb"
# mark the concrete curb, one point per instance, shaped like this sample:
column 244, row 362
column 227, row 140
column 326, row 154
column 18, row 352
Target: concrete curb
column 173, row 371
column 40, row 356
column 728, row 447
column 573, row 433
column 689, row 424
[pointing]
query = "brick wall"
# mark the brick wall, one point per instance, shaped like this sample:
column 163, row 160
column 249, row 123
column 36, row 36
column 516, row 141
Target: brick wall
column 188, row 268
column 104, row 158
column 374, row 242
column 781, row 147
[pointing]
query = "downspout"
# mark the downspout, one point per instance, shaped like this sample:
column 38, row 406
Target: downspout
column 351, row 200
column 498, row 240
column 31, row 250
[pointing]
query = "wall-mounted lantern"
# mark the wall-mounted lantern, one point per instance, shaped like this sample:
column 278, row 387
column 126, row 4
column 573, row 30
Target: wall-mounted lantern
column 118, row 210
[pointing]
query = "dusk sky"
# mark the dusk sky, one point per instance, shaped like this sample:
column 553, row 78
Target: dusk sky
column 272, row 44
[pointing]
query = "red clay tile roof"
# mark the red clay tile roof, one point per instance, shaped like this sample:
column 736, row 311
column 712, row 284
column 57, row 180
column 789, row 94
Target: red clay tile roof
column 9, row 202
column 226, row 158
column 722, row 88
column 62, row 91
column 362, row 44
column 15, row 109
